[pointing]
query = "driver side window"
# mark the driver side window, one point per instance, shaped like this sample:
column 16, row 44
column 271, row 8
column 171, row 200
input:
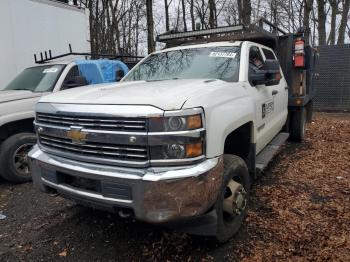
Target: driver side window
column 256, row 62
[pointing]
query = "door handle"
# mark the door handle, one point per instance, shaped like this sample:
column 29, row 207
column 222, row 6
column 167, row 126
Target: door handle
column 274, row 92
column 286, row 87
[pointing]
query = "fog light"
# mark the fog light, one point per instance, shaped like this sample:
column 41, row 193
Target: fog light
column 175, row 151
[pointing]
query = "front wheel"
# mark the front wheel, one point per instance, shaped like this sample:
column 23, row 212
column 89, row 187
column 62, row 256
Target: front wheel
column 232, row 203
column 14, row 165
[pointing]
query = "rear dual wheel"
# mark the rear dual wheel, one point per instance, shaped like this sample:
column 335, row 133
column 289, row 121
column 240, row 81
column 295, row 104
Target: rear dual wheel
column 232, row 203
column 298, row 124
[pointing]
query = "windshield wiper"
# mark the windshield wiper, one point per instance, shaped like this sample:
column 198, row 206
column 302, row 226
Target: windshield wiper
column 21, row 89
column 158, row 80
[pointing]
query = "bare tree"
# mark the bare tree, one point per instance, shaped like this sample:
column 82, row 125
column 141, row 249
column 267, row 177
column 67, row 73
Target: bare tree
column 193, row 21
column 321, row 22
column 343, row 22
column 129, row 26
column 240, row 11
column 212, row 14
column 306, row 22
column 184, row 14
column 334, row 6
column 247, row 12
column 202, row 9
column 150, row 26
column 166, row 6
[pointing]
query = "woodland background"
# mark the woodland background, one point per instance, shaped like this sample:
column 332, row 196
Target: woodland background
column 130, row 26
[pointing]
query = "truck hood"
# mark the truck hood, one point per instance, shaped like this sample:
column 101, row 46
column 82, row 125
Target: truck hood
column 13, row 95
column 167, row 94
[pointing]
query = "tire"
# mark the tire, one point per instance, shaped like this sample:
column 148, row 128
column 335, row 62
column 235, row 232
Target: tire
column 298, row 125
column 228, row 224
column 15, row 150
column 310, row 110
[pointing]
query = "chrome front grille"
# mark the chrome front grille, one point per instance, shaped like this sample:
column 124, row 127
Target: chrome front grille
column 95, row 150
column 94, row 123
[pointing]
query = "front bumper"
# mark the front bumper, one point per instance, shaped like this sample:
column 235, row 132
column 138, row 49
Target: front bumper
column 155, row 195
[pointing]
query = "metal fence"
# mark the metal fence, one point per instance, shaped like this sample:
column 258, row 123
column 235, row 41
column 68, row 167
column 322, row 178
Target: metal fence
column 333, row 83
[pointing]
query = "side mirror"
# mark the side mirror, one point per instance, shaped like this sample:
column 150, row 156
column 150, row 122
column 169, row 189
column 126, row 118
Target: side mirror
column 269, row 74
column 258, row 77
column 272, row 72
column 119, row 74
column 76, row 81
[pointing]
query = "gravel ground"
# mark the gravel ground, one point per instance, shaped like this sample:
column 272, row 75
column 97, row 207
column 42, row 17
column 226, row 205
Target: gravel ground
column 299, row 211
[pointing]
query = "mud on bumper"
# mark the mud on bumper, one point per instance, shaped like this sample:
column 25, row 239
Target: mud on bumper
column 154, row 195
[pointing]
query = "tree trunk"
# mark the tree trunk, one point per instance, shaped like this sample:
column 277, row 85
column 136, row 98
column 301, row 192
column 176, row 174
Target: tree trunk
column 212, row 12
column 247, row 11
column 193, row 21
column 321, row 22
column 343, row 22
column 184, row 15
column 150, row 26
column 334, row 5
column 177, row 17
column 306, row 23
column 314, row 27
column 167, row 26
column 138, row 7
column 240, row 11
column 273, row 8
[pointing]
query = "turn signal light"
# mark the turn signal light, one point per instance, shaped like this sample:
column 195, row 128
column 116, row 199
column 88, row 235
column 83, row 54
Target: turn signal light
column 194, row 122
column 194, row 150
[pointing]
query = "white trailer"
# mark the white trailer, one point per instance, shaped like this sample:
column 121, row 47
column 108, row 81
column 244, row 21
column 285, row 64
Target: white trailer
column 33, row 26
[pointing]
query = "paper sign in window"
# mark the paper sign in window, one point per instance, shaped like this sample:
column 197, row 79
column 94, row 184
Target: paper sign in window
column 223, row 54
column 50, row 70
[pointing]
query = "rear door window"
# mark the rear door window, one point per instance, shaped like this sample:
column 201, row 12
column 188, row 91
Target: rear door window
column 269, row 54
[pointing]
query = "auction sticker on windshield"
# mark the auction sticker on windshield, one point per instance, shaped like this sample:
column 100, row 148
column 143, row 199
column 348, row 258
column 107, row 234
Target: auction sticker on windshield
column 223, row 54
column 50, row 70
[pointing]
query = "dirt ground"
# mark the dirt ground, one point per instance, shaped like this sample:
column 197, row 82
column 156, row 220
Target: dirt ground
column 300, row 210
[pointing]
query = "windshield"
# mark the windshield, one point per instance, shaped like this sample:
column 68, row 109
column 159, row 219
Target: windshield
column 193, row 63
column 36, row 79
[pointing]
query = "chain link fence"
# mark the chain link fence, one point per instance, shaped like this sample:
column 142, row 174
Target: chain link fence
column 333, row 82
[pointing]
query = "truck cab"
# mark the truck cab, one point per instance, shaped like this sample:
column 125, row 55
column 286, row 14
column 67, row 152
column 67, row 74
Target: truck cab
column 18, row 99
column 178, row 142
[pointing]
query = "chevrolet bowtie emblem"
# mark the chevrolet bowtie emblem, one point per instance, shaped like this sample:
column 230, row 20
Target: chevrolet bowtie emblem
column 76, row 135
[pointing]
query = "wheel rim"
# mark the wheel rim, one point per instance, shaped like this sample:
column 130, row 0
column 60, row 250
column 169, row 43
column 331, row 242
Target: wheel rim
column 20, row 159
column 235, row 200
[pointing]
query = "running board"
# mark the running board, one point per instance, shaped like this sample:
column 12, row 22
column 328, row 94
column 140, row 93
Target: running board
column 266, row 155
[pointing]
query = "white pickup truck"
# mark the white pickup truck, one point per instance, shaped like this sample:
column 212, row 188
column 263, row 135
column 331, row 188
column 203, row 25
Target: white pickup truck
column 17, row 104
column 178, row 141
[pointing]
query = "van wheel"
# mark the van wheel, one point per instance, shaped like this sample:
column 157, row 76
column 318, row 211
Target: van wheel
column 298, row 125
column 14, row 165
column 232, row 203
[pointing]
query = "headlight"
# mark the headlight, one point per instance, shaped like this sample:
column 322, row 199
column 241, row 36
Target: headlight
column 175, row 151
column 177, row 136
column 175, row 123
column 178, row 151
